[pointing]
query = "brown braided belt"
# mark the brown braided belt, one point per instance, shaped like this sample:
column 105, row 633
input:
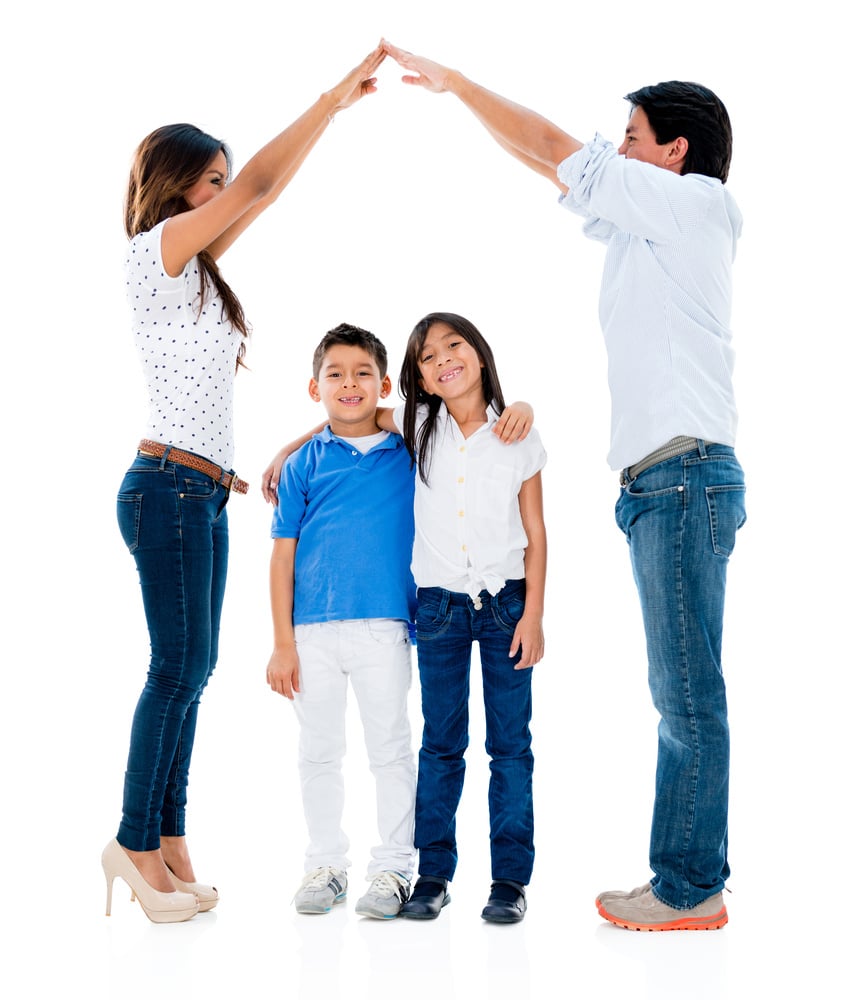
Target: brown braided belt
column 226, row 479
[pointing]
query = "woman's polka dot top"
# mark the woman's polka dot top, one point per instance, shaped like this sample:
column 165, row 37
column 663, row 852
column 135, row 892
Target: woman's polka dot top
column 188, row 357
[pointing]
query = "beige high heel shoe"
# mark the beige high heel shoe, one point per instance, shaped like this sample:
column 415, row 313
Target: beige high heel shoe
column 160, row 907
column 207, row 895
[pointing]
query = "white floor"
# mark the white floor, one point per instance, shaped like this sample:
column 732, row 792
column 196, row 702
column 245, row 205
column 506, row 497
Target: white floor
column 254, row 945
column 592, row 804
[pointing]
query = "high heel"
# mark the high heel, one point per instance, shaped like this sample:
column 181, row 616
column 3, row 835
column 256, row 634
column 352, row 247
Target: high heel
column 207, row 895
column 160, row 907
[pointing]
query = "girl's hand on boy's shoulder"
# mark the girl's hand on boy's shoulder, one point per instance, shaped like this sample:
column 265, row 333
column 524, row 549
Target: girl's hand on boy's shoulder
column 514, row 423
column 270, row 478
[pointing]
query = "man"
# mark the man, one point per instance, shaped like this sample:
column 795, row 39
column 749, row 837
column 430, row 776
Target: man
column 670, row 227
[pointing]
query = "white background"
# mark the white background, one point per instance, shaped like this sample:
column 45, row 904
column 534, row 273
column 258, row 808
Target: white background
column 405, row 206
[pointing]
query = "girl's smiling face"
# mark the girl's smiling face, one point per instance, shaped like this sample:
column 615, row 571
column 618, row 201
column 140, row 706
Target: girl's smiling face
column 449, row 365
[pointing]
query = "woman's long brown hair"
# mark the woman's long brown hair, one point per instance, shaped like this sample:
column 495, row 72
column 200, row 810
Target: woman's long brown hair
column 166, row 165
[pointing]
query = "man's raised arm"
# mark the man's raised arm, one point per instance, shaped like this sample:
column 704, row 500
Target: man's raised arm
column 531, row 138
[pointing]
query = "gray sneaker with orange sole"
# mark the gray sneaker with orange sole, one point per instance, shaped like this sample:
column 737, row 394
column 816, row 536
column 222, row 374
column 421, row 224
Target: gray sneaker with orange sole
column 645, row 912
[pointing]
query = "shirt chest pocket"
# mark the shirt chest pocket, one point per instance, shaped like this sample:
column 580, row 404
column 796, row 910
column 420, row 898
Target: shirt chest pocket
column 492, row 492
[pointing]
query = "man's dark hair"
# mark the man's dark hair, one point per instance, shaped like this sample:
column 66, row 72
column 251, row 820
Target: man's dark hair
column 352, row 336
column 676, row 108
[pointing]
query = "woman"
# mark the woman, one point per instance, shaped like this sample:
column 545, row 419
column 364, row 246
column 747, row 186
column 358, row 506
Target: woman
column 182, row 213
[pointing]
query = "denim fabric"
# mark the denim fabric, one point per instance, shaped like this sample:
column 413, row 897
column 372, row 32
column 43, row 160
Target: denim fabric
column 680, row 518
column 447, row 625
column 174, row 523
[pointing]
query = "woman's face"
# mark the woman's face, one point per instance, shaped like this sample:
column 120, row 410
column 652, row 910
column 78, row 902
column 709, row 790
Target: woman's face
column 213, row 180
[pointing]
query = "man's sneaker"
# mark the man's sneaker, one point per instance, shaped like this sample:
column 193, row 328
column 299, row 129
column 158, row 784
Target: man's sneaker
column 604, row 897
column 646, row 913
column 320, row 890
column 383, row 900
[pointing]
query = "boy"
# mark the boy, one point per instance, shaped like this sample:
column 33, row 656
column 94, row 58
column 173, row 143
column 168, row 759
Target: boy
column 342, row 596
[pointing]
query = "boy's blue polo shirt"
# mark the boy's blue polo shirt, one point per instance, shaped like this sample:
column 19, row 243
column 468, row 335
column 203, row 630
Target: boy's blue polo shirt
column 353, row 516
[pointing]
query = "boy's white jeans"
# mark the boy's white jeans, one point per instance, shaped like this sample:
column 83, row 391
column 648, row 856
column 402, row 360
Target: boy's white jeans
column 375, row 655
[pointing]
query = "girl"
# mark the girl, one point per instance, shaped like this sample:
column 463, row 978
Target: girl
column 182, row 213
column 479, row 562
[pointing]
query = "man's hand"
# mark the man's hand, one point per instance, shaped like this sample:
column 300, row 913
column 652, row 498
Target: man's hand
column 429, row 75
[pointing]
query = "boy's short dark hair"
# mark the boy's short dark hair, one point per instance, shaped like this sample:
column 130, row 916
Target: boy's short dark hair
column 352, row 336
column 676, row 108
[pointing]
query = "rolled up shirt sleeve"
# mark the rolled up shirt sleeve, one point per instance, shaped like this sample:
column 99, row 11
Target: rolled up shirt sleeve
column 612, row 192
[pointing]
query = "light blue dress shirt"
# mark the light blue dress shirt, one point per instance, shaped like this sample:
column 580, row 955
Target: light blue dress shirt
column 665, row 300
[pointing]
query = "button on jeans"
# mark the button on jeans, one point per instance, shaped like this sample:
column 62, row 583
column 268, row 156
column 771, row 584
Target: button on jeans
column 447, row 625
column 680, row 518
column 173, row 520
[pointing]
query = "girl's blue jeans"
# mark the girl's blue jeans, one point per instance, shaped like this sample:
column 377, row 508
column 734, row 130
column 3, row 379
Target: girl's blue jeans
column 680, row 518
column 447, row 625
column 174, row 523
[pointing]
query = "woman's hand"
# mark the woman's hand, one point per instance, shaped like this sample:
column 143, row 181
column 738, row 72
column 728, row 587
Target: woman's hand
column 359, row 82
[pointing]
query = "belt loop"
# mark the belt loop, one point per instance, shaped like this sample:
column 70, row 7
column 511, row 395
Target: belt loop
column 445, row 601
column 164, row 458
column 702, row 448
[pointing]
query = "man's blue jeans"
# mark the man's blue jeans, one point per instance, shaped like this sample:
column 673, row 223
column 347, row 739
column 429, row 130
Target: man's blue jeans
column 447, row 625
column 680, row 518
column 174, row 523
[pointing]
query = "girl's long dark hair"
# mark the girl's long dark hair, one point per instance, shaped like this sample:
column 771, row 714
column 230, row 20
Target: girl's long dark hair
column 166, row 165
column 419, row 443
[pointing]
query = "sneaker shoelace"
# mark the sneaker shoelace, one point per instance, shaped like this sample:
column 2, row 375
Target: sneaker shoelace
column 318, row 879
column 386, row 884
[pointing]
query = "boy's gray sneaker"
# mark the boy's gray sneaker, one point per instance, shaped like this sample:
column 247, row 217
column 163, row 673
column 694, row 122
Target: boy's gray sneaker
column 320, row 890
column 384, row 899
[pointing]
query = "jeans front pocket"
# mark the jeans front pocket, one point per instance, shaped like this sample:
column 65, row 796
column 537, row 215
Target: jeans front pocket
column 508, row 606
column 434, row 614
column 197, row 489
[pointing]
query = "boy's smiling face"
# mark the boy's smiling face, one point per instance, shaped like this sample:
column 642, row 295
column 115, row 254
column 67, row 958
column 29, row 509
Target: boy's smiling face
column 350, row 388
